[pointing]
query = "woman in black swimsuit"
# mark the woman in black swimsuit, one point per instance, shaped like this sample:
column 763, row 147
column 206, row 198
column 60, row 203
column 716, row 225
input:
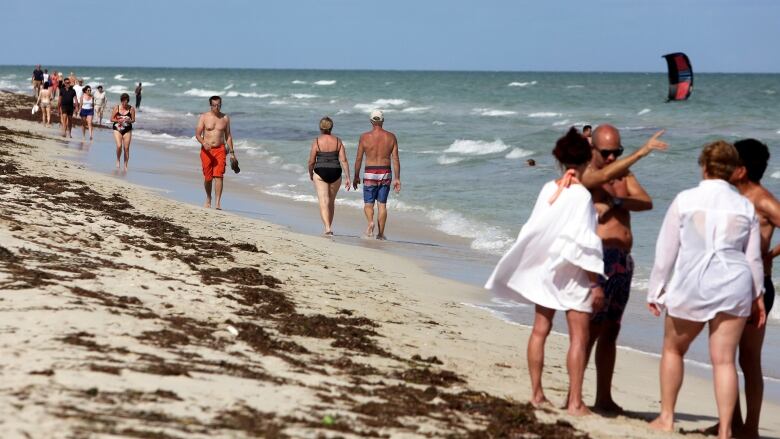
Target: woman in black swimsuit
column 327, row 158
column 123, row 117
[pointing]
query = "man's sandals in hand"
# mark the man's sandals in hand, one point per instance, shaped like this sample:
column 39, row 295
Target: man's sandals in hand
column 234, row 165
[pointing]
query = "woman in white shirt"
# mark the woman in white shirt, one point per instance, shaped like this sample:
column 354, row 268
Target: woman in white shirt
column 707, row 269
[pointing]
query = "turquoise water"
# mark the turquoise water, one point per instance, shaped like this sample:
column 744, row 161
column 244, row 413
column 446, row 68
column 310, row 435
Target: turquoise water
column 464, row 138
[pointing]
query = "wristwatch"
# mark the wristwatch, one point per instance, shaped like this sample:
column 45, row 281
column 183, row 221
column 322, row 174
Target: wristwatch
column 617, row 202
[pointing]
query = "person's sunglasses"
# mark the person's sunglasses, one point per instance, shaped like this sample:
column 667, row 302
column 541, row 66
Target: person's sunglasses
column 605, row 153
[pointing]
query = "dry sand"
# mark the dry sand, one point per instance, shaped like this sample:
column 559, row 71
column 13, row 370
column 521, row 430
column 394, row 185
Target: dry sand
column 128, row 314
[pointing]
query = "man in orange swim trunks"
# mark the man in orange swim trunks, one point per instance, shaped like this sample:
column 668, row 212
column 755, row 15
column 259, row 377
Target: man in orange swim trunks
column 213, row 132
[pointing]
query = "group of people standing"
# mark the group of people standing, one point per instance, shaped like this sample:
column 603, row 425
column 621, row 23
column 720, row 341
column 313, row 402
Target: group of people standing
column 712, row 267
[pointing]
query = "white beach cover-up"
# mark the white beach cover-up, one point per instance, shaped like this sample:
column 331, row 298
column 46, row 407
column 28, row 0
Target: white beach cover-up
column 708, row 255
column 547, row 264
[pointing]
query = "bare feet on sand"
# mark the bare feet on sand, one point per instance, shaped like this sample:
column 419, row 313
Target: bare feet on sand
column 381, row 237
column 207, row 204
column 662, row 423
column 369, row 233
column 541, row 402
column 578, row 409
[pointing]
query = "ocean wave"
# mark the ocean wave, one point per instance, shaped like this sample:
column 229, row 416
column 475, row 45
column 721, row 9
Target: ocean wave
column 383, row 104
column 98, row 78
column 446, row 160
column 544, row 114
column 232, row 94
column 278, row 102
column 484, row 237
column 199, row 92
column 118, row 89
column 776, row 174
column 325, row 82
column 8, row 85
column 560, row 123
column 299, row 82
column 303, row 96
column 228, row 87
column 149, row 84
column 521, row 84
column 492, row 112
column 476, row 147
column 415, row 109
column 340, row 112
column 438, row 122
column 254, row 84
column 167, row 139
column 517, row 153
column 575, row 86
column 644, row 111
column 161, row 79
column 120, row 77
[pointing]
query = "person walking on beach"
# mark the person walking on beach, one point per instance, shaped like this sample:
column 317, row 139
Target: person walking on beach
column 138, row 96
column 327, row 160
column 46, row 76
column 100, row 103
column 614, row 200
column 87, row 111
column 123, row 117
column 213, row 133
column 557, row 274
column 79, row 88
column 380, row 147
column 754, row 157
column 67, row 106
column 44, row 102
column 54, row 84
column 707, row 271
column 37, row 80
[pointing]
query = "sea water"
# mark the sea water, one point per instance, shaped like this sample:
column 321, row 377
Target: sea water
column 464, row 139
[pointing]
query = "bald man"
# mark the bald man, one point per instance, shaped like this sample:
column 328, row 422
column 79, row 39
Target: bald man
column 614, row 200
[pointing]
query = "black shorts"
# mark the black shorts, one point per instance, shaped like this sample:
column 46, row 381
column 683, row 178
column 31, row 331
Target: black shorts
column 769, row 294
column 67, row 110
column 328, row 175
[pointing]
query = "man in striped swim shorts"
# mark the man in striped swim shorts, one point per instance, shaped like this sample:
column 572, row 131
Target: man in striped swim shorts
column 380, row 147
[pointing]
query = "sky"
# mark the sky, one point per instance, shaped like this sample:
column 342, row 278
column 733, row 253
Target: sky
column 503, row 35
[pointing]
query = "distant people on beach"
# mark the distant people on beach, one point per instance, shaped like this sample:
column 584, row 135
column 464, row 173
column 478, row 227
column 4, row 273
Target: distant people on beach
column 87, row 111
column 327, row 161
column 587, row 132
column 708, row 270
column 45, row 76
column 754, row 158
column 123, row 117
column 614, row 201
column 380, row 148
column 138, row 96
column 67, row 107
column 54, row 84
column 44, row 103
column 213, row 133
column 101, row 101
column 79, row 88
column 37, row 80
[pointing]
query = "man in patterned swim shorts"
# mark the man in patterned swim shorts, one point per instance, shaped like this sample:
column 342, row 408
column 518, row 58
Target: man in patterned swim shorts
column 614, row 201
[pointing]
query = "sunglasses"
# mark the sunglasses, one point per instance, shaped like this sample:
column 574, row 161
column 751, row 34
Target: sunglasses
column 605, row 153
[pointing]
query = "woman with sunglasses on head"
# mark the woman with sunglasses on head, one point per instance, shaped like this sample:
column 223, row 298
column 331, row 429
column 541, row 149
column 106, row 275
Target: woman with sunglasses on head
column 123, row 117
column 87, row 111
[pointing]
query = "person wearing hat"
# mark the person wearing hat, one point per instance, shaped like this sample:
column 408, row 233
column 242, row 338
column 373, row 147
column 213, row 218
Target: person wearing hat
column 379, row 147
column 100, row 103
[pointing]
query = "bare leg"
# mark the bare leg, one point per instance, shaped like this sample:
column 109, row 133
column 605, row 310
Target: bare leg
column 543, row 321
column 750, row 361
column 725, row 332
column 118, row 140
column 218, row 191
column 368, row 210
column 48, row 116
column 62, row 122
column 606, row 352
column 579, row 323
column 207, row 186
column 127, row 138
column 89, row 123
column 381, row 220
column 333, row 190
column 322, row 196
column 678, row 335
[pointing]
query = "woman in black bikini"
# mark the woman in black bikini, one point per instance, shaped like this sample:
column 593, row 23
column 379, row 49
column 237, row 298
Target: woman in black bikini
column 123, row 117
column 327, row 158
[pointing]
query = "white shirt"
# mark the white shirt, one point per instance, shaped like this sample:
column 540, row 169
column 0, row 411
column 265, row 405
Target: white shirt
column 45, row 77
column 100, row 98
column 555, row 249
column 79, row 91
column 708, row 255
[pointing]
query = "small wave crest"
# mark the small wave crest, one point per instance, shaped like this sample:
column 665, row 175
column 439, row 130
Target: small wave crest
column 438, row 123
column 476, row 147
column 415, row 109
column 490, row 112
column 120, row 77
column 484, row 237
column 298, row 82
column 644, row 111
column 118, row 89
column 303, row 96
column 521, row 84
column 325, row 82
column 384, row 104
column 446, row 160
column 776, row 174
column 517, row 153
column 201, row 93
column 544, row 114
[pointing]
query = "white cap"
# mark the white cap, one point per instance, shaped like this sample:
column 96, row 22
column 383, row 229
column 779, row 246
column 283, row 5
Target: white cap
column 377, row 116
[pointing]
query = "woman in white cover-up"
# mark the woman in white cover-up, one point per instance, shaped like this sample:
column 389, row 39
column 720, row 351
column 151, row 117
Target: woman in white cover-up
column 554, row 264
column 707, row 269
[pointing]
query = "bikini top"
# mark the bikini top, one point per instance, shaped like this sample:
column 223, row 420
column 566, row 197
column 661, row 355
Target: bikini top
column 328, row 159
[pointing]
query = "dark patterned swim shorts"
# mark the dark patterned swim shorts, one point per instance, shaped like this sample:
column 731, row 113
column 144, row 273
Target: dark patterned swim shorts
column 619, row 268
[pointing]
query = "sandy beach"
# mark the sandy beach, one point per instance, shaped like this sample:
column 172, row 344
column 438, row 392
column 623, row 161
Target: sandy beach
column 128, row 314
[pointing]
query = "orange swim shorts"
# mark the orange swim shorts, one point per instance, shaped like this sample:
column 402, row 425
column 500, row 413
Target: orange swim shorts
column 213, row 162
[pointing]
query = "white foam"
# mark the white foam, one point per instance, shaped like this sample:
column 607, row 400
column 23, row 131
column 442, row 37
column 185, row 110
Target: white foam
column 228, row 87
column 517, row 153
column 325, row 82
column 98, row 78
column 776, row 174
column 415, row 109
column 303, row 96
column 299, row 82
column 163, row 79
column 343, row 112
column 490, row 112
column 522, row 84
column 383, row 104
column 167, row 139
column 7, row 85
column 560, row 123
column 446, row 160
column 390, row 102
column 198, row 92
column 254, row 84
column 484, row 237
column 252, row 94
column 476, row 147
column 545, row 114
column 438, row 122
column 149, row 84
column 232, row 94
column 644, row 111
column 118, row 89
column 120, row 77
column 575, row 86
column 769, row 91
column 278, row 102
